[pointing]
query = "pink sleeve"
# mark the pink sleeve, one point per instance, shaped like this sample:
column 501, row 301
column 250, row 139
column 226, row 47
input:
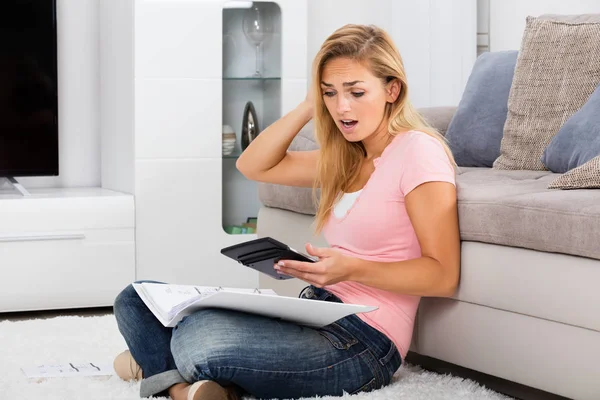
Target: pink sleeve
column 424, row 160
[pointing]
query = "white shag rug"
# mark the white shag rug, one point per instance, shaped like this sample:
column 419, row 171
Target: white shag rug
column 96, row 339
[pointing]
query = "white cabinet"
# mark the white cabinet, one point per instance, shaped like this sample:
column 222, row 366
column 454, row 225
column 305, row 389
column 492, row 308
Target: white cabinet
column 65, row 248
column 183, row 81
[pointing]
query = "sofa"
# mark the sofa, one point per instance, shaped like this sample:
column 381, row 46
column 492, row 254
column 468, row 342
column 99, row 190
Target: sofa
column 527, row 308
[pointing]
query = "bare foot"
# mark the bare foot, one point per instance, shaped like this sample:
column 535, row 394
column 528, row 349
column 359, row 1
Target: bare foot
column 179, row 391
column 203, row 390
column 210, row 390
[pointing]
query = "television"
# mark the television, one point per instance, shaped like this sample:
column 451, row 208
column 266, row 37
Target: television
column 28, row 89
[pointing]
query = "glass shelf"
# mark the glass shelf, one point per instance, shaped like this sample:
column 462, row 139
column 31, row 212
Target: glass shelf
column 251, row 78
column 233, row 156
column 243, row 91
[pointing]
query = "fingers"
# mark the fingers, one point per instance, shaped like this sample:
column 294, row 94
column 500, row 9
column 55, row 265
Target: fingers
column 296, row 265
column 309, row 249
column 312, row 273
column 316, row 251
column 305, row 276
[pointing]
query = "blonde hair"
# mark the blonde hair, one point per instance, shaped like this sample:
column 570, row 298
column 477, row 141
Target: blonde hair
column 340, row 160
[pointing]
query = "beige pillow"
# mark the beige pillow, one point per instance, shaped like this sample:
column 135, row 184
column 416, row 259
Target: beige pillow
column 586, row 176
column 557, row 69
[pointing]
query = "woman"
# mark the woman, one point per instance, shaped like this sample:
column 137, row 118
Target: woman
column 387, row 209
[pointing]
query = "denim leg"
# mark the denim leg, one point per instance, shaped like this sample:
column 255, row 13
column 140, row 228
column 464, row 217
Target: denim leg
column 269, row 358
column 379, row 343
column 149, row 343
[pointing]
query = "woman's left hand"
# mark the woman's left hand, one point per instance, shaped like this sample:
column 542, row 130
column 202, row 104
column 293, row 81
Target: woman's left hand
column 332, row 267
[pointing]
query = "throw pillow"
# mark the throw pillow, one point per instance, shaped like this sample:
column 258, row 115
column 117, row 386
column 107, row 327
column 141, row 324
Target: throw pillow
column 557, row 70
column 578, row 141
column 586, row 176
column 475, row 131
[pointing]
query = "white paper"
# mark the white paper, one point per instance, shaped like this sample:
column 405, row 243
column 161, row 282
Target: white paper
column 307, row 312
column 68, row 370
column 167, row 297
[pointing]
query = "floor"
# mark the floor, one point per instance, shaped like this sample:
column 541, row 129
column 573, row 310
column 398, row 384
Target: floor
column 499, row 385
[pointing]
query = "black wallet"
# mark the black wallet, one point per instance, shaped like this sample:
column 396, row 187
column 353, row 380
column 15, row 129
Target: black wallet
column 262, row 254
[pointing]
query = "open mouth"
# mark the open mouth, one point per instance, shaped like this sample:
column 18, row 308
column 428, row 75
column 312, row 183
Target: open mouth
column 349, row 123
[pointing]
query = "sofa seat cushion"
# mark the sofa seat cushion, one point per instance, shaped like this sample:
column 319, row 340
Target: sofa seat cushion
column 515, row 208
column 505, row 207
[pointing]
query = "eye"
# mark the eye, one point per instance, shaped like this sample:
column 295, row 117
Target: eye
column 329, row 94
column 357, row 94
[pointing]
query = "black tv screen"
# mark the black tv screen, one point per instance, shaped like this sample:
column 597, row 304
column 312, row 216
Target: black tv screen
column 28, row 88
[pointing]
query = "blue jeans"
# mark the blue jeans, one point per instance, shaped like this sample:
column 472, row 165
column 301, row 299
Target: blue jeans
column 260, row 356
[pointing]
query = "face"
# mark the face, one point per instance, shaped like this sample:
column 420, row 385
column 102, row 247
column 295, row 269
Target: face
column 356, row 99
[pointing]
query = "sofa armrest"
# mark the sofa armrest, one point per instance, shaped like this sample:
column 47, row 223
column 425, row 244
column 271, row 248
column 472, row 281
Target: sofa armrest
column 300, row 199
column 438, row 117
column 291, row 198
column 295, row 199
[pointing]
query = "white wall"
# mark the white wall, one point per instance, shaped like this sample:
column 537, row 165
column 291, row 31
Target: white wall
column 436, row 39
column 453, row 49
column 483, row 26
column 325, row 16
column 411, row 32
column 78, row 97
column 507, row 17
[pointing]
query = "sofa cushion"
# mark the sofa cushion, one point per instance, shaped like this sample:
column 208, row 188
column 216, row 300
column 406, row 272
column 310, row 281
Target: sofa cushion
column 438, row 117
column 557, row 70
column 587, row 176
column 515, row 208
column 511, row 208
column 292, row 198
column 476, row 131
column 578, row 141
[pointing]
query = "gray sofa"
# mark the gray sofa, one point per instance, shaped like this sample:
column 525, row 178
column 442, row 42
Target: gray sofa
column 527, row 308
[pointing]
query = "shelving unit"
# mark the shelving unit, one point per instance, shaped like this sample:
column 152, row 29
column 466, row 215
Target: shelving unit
column 241, row 85
column 167, row 93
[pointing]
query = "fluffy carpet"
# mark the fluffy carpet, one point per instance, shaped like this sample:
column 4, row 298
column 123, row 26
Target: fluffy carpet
column 96, row 339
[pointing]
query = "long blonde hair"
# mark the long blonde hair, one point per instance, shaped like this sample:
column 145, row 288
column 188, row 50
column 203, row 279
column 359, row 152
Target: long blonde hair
column 340, row 160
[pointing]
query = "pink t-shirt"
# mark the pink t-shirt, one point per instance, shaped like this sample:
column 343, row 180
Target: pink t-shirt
column 377, row 228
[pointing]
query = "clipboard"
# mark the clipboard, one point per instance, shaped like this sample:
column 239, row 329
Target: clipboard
column 263, row 253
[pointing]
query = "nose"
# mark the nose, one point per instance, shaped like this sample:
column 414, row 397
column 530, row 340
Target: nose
column 342, row 105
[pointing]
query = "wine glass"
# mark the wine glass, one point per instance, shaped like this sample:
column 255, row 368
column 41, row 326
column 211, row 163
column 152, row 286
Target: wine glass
column 258, row 26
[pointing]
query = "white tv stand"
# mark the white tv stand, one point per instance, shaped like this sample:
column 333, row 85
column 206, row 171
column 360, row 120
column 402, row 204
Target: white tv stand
column 20, row 188
column 65, row 248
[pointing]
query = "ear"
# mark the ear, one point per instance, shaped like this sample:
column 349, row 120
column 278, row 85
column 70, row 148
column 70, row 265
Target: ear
column 393, row 90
